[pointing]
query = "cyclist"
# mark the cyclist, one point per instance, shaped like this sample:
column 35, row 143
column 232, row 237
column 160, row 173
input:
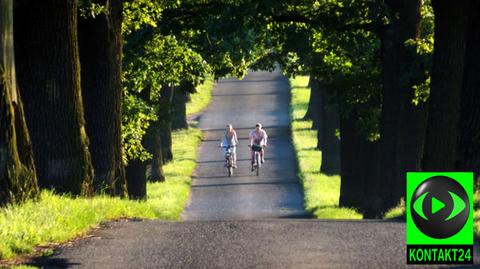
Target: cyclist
column 258, row 137
column 230, row 139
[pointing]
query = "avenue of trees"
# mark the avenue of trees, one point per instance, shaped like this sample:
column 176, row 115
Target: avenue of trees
column 91, row 89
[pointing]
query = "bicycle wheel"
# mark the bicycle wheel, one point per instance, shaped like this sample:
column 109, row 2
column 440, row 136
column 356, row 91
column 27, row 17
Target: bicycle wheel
column 230, row 166
column 257, row 159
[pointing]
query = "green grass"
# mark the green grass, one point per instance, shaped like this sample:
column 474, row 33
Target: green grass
column 201, row 98
column 322, row 192
column 397, row 212
column 57, row 218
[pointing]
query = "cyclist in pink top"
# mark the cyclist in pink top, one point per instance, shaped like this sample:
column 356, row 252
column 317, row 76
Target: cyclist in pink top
column 258, row 137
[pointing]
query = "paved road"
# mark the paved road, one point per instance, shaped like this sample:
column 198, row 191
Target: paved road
column 244, row 221
column 259, row 97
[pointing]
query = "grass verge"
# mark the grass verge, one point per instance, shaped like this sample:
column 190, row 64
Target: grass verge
column 321, row 192
column 57, row 218
column 201, row 98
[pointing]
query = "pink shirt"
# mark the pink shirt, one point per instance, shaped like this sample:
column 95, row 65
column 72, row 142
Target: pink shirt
column 259, row 138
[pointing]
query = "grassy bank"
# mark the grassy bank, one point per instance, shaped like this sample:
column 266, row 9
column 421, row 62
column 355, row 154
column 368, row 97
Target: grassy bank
column 321, row 192
column 201, row 99
column 59, row 218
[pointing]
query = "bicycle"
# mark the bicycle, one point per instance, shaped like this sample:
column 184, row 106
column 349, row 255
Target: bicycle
column 257, row 158
column 229, row 159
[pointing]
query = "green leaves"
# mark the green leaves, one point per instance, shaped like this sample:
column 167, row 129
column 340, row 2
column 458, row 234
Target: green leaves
column 137, row 116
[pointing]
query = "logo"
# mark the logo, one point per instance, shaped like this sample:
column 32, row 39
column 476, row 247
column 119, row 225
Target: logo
column 439, row 218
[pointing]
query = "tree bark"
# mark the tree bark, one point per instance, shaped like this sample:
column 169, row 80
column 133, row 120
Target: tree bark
column 372, row 202
column 100, row 42
column 154, row 146
column 48, row 68
column 402, row 124
column 137, row 183
column 330, row 143
column 164, row 117
column 18, row 181
column 360, row 169
column 447, row 76
column 179, row 106
column 468, row 145
column 311, row 106
column 352, row 150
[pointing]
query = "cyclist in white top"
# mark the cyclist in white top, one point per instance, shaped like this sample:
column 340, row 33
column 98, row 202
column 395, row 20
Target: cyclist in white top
column 230, row 139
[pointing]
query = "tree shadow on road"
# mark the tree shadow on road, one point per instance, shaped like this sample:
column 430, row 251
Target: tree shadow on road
column 52, row 263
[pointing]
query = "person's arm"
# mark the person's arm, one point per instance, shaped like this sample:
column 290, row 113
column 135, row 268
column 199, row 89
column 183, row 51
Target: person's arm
column 222, row 141
column 235, row 137
column 250, row 138
column 265, row 136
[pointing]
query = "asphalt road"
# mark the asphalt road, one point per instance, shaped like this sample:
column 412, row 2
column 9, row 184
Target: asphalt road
column 244, row 221
column 260, row 97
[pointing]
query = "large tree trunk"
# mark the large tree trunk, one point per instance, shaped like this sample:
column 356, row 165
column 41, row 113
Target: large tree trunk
column 444, row 102
column 100, row 42
column 402, row 124
column 468, row 145
column 164, row 116
column 18, row 180
column 137, row 183
column 154, row 146
column 179, row 106
column 330, row 143
column 353, row 155
column 311, row 101
column 315, row 105
column 360, row 169
column 372, row 202
column 48, row 68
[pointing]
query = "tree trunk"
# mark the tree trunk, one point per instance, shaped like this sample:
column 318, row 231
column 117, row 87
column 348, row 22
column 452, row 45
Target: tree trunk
column 100, row 43
column 360, row 169
column 18, row 180
column 372, row 202
column 154, row 146
column 447, row 75
column 164, row 117
column 48, row 68
column 402, row 124
column 179, row 106
column 330, row 143
column 309, row 114
column 468, row 145
column 316, row 105
column 312, row 110
column 352, row 150
column 136, row 177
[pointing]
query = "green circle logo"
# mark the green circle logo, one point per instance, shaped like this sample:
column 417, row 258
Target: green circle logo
column 440, row 207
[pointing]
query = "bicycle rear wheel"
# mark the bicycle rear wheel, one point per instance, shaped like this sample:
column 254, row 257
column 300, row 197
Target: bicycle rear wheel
column 257, row 159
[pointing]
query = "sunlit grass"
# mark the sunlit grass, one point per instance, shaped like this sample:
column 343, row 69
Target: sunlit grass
column 476, row 214
column 169, row 198
column 58, row 218
column 201, row 98
column 321, row 192
column 397, row 211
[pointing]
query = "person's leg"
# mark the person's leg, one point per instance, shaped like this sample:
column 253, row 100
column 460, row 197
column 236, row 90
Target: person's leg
column 253, row 158
column 234, row 157
column 224, row 154
column 262, row 155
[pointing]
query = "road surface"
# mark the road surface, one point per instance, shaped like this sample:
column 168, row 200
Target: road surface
column 244, row 221
column 260, row 97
